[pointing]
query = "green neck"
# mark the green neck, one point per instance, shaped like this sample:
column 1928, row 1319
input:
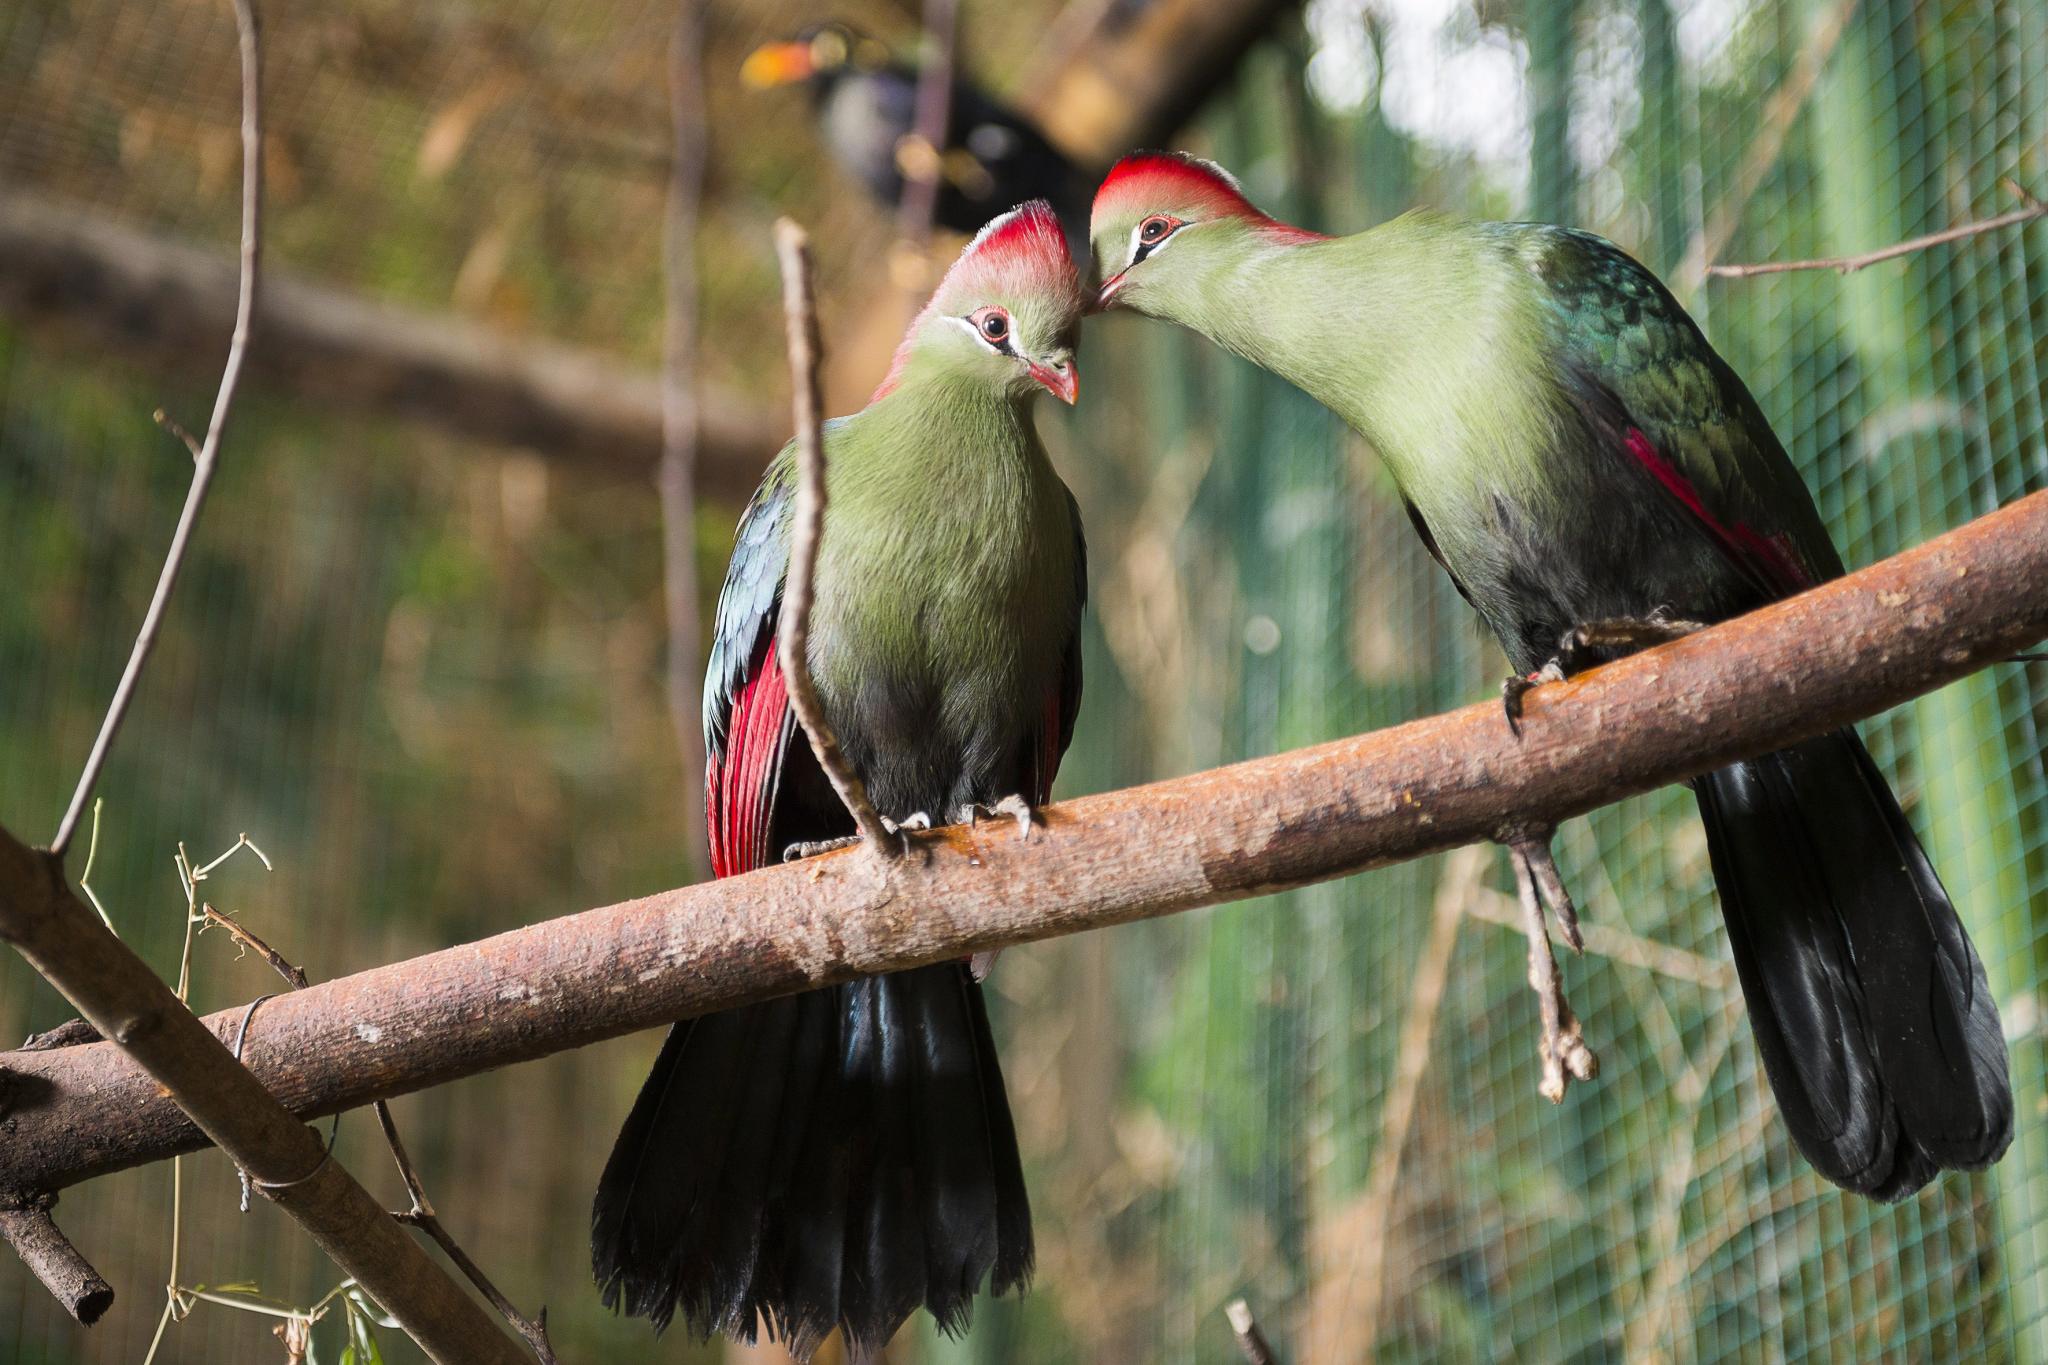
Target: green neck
column 1371, row 325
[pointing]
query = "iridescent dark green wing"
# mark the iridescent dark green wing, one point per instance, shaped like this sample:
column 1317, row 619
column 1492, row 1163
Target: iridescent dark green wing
column 1647, row 380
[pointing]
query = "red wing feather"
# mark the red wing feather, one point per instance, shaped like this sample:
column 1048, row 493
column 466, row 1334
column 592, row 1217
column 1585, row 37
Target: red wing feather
column 1771, row 558
column 740, row 788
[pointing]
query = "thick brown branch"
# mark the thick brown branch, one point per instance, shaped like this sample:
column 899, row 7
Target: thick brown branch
column 1848, row 264
column 793, row 626
column 1845, row 650
column 152, row 300
column 68, row 1276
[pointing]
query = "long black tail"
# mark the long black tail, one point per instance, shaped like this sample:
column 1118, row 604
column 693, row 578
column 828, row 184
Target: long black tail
column 1878, row 1032
column 833, row 1159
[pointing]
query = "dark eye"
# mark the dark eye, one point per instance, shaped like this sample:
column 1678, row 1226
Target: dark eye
column 995, row 326
column 1154, row 230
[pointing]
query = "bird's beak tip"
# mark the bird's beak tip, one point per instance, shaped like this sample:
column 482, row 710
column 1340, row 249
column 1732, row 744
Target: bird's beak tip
column 1111, row 287
column 1062, row 381
column 774, row 64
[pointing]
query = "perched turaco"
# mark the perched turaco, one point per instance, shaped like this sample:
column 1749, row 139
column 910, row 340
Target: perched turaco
column 1594, row 478
column 843, row 1157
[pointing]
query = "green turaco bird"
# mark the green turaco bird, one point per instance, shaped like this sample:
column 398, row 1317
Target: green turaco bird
column 1594, row 477
column 843, row 1157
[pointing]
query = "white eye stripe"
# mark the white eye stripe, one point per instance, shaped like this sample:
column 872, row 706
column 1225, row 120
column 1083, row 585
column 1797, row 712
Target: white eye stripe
column 974, row 330
column 1152, row 249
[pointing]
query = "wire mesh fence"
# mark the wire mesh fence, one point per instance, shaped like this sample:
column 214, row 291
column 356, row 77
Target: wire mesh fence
column 425, row 675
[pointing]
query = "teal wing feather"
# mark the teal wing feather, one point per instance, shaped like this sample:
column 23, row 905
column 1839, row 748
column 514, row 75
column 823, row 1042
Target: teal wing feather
column 1646, row 379
column 751, row 598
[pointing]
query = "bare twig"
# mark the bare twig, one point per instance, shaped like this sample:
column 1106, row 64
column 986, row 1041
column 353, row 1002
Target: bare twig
column 249, row 941
column 177, row 429
column 1844, row 650
column 1619, row 945
column 1844, row 265
column 793, row 627
column 677, row 479
column 206, row 457
column 1781, row 110
column 68, row 1276
column 1250, row 1340
column 421, row 1215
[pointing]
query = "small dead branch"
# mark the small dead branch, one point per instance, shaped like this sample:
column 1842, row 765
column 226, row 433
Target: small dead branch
column 1561, row 1046
column 1780, row 111
column 1250, row 1340
column 421, row 1215
column 70, row 1278
column 206, row 457
column 680, row 417
column 2029, row 210
column 793, row 630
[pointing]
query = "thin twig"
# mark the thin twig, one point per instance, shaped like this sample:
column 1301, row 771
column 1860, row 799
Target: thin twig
column 421, row 1215
column 206, row 458
column 177, row 429
column 1781, row 110
column 242, row 936
column 1848, row 264
column 681, row 417
column 1250, row 1340
column 793, row 629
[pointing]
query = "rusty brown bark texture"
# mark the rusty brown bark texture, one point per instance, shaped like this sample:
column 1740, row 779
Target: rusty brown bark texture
column 1841, row 652
column 68, row 1276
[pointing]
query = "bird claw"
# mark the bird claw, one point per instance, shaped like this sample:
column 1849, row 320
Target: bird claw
column 1576, row 647
column 1013, row 805
column 811, row 848
column 1561, row 1048
column 1514, row 687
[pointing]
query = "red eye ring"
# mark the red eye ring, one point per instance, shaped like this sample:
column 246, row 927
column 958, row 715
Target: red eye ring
column 992, row 324
column 1157, row 229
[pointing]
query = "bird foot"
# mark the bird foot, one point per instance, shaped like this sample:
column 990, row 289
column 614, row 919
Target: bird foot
column 1561, row 1049
column 1624, row 632
column 1515, row 686
column 811, row 848
column 1014, row 806
column 1580, row 647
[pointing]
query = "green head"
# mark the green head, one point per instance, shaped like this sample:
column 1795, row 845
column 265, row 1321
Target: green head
column 1165, row 225
column 1007, row 315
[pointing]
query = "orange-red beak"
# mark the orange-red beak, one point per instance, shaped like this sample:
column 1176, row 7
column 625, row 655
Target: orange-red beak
column 776, row 64
column 1062, row 379
column 1109, row 290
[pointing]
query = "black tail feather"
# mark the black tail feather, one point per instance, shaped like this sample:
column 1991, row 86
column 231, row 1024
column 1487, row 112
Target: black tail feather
column 1870, row 1007
column 835, row 1159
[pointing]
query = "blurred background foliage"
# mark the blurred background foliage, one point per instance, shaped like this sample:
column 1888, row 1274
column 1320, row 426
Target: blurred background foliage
column 425, row 674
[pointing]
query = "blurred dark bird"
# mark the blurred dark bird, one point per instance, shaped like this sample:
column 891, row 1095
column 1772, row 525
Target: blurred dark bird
column 838, row 1158
column 993, row 158
column 1595, row 478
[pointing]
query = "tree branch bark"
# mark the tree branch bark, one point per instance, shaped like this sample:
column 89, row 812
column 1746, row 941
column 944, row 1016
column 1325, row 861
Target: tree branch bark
column 1843, row 651
column 155, row 300
column 68, row 1276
